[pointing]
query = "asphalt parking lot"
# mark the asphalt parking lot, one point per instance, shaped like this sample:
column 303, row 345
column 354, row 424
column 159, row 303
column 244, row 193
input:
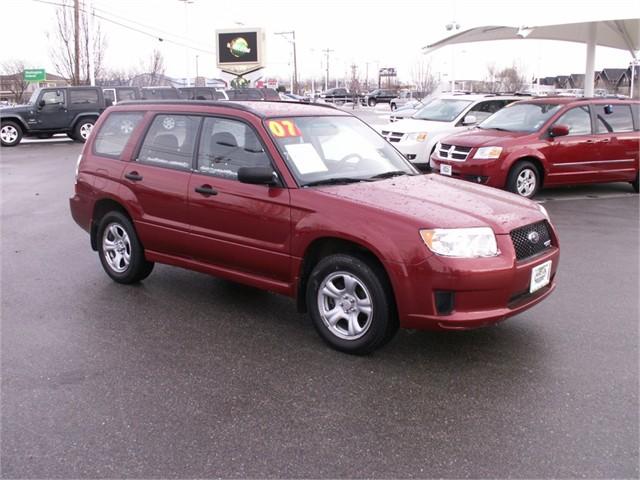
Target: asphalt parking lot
column 186, row 375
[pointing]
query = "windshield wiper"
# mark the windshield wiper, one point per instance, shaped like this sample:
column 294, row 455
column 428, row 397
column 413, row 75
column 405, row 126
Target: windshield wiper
column 335, row 181
column 500, row 129
column 392, row 173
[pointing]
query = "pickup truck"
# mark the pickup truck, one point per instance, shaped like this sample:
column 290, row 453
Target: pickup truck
column 339, row 96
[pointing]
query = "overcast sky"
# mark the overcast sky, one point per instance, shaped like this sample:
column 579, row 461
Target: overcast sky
column 383, row 34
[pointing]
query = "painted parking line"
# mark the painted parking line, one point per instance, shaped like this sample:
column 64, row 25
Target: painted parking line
column 587, row 196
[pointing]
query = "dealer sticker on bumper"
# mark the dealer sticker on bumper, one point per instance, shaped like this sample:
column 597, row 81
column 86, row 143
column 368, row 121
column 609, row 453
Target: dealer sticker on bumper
column 445, row 169
column 540, row 276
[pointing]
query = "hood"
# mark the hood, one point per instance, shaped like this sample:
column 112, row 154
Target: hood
column 17, row 109
column 409, row 125
column 434, row 201
column 478, row 137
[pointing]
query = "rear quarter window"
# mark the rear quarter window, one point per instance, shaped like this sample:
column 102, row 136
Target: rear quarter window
column 613, row 118
column 83, row 97
column 115, row 133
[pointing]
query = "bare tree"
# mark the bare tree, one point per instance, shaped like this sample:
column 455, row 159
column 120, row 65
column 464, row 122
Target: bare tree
column 63, row 45
column 16, row 84
column 422, row 77
column 509, row 79
column 156, row 68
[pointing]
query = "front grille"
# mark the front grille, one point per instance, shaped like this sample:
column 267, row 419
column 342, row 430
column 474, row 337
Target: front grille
column 453, row 152
column 392, row 136
column 531, row 239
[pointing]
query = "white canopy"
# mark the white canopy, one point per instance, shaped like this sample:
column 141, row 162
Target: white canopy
column 622, row 34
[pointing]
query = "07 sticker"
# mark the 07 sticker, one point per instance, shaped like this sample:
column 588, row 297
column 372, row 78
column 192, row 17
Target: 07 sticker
column 283, row 128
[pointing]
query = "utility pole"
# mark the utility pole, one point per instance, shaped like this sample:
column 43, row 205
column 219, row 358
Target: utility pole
column 76, row 27
column 327, row 51
column 294, row 83
column 90, row 39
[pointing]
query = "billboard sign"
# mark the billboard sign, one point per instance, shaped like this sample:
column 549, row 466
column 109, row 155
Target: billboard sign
column 387, row 72
column 240, row 50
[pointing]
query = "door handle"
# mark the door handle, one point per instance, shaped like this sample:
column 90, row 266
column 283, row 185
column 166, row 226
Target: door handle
column 589, row 141
column 206, row 190
column 605, row 140
column 133, row 176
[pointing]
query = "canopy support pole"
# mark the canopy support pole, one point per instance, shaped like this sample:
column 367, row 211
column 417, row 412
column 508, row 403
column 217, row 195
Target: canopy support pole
column 591, row 59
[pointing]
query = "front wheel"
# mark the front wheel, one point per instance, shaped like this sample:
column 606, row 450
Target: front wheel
column 10, row 134
column 636, row 183
column 349, row 305
column 393, row 107
column 121, row 253
column 83, row 129
column 524, row 179
column 372, row 102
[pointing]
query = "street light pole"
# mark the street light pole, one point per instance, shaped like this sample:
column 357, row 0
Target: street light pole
column 453, row 26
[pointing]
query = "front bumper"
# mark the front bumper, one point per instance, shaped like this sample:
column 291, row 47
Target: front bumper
column 483, row 291
column 485, row 172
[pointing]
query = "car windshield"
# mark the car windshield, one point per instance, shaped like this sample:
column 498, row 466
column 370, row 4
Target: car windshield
column 520, row 117
column 324, row 150
column 33, row 98
column 442, row 110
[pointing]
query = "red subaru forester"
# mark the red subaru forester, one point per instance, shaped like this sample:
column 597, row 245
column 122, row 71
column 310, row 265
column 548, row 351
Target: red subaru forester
column 310, row 202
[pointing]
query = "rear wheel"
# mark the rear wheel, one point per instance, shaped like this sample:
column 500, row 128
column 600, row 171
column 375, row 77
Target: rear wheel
column 524, row 179
column 393, row 107
column 83, row 129
column 372, row 102
column 349, row 305
column 10, row 134
column 121, row 253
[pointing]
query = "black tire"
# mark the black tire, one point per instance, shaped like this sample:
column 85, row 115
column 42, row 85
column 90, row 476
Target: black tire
column 137, row 268
column 82, row 129
column 372, row 288
column 71, row 136
column 10, row 133
column 372, row 102
column 636, row 183
column 524, row 179
column 393, row 107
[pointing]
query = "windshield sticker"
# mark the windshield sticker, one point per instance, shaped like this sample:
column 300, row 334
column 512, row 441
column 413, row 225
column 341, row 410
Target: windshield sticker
column 283, row 128
column 305, row 158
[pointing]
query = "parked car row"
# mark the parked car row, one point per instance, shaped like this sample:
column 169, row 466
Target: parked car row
column 523, row 145
column 74, row 110
column 309, row 202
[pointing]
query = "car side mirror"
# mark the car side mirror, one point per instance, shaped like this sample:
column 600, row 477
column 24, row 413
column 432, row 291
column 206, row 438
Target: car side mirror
column 257, row 175
column 559, row 130
column 470, row 120
column 41, row 103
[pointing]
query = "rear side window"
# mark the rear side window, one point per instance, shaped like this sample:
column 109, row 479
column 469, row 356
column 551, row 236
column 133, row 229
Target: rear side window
column 578, row 120
column 115, row 132
column 613, row 118
column 126, row 94
column 226, row 145
column 170, row 141
column 83, row 97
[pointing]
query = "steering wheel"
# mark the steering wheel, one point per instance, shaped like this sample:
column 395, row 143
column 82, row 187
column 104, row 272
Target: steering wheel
column 344, row 160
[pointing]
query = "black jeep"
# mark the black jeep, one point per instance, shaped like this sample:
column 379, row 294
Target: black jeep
column 70, row 110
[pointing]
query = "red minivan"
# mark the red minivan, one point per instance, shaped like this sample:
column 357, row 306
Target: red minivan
column 308, row 201
column 547, row 142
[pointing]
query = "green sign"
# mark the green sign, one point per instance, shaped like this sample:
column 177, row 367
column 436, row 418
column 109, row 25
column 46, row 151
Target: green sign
column 35, row 75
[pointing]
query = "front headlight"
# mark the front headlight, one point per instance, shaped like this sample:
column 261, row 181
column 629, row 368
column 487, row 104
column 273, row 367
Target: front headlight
column 416, row 137
column 461, row 242
column 488, row 153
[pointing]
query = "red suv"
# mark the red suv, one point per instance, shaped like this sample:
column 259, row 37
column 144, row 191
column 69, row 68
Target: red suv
column 310, row 202
column 547, row 142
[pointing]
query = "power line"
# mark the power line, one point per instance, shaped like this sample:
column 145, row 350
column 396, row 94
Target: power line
column 152, row 35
